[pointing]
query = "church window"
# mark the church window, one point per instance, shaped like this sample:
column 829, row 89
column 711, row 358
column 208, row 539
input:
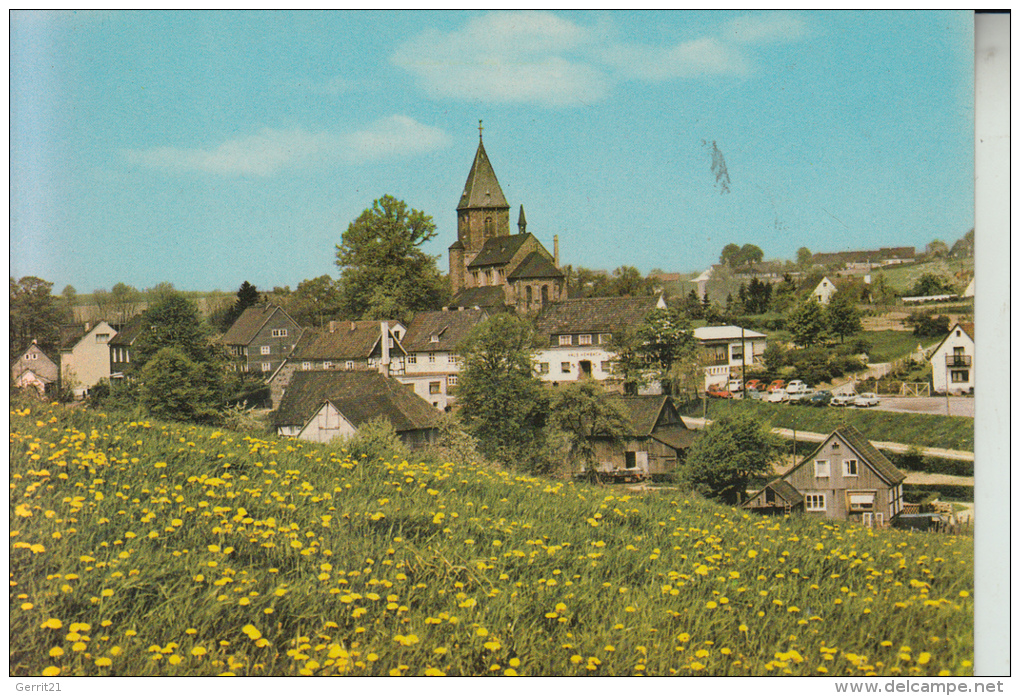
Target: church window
column 545, row 294
column 527, row 294
column 490, row 228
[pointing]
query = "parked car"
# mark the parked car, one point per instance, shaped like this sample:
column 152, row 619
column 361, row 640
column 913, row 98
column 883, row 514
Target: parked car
column 796, row 387
column 755, row 393
column 735, row 385
column 719, row 394
column 843, row 399
column 755, row 384
column 865, row 400
column 777, row 385
column 819, row 398
column 777, row 396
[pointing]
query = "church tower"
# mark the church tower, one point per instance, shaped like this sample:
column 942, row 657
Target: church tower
column 482, row 214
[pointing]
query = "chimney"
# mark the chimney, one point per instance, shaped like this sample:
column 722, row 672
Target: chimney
column 385, row 330
column 556, row 250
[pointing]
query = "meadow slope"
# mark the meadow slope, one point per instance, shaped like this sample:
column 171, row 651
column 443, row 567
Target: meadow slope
column 150, row 548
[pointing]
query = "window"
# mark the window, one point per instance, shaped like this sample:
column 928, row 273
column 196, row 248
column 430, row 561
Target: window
column 265, row 350
column 850, row 467
column 545, row 294
column 584, row 340
column 814, row 501
column 306, row 366
column 958, row 376
column 564, row 367
column 527, row 294
column 279, row 333
column 432, row 358
column 412, row 359
column 327, row 365
column 630, row 460
column 474, row 276
column 349, row 365
column 371, row 362
column 435, row 387
column 821, row 468
column 605, row 338
column 32, row 356
column 490, row 228
column 454, row 359
column 737, row 353
column 266, row 367
column 607, row 367
column 861, row 502
column 434, row 338
column 451, row 381
column 566, row 340
column 543, row 368
column 102, row 338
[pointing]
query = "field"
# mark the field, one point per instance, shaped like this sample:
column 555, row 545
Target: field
column 143, row 548
column 921, row 429
column 902, row 278
column 887, row 346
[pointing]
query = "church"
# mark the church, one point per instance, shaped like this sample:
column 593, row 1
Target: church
column 489, row 267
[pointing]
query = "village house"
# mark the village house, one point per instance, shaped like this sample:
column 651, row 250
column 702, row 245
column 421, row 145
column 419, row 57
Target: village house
column 432, row 362
column 824, row 291
column 578, row 335
column 727, row 351
column 85, row 360
column 844, row 478
column 952, row 361
column 654, row 444
column 122, row 346
column 490, row 268
column 319, row 406
column 261, row 339
column 34, row 369
column 342, row 345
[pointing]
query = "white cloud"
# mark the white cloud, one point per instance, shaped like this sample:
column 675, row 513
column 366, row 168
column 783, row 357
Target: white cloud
column 270, row 150
column 541, row 58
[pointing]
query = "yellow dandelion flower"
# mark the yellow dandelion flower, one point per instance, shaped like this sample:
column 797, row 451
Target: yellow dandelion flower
column 52, row 623
column 56, row 652
column 104, row 662
column 198, row 651
column 51, row 671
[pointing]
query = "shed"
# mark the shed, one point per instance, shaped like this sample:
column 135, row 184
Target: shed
column 655, row 442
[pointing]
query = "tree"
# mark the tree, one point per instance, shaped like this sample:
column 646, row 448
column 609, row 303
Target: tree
column 757, row 297
column 34, row 314
column 881, row 291
column 124, row 303
column 502, row 402
column 628, row 282
column 172, row 322
column 660, row 348
column 806, row 323
column 730, row 255
column 749, row 255
column 587, row 415
column 175, row 387
column 931, row 284
column 803, row 257
column 247, row 296
column 842, row 315
column 728, row 455
column 936, row 249
column 315, row 301
column 964, row 246
column 384, row 273
column 928, row 324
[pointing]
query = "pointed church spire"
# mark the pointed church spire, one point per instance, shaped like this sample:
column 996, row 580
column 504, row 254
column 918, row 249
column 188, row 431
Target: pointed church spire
column 522, row 222
column 482, row 189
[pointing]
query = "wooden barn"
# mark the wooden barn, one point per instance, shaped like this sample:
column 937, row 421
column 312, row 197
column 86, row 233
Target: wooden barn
column 655, row 442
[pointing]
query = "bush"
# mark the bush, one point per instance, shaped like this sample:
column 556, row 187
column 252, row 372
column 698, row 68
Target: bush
column 245, row 420
column 454, row 444
column 920, row 492
column 375, row 439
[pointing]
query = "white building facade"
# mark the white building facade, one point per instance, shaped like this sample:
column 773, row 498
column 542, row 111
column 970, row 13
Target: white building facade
column 727, row 351
column 952, row 362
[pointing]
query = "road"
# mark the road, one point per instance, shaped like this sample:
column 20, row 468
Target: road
column 958, row 405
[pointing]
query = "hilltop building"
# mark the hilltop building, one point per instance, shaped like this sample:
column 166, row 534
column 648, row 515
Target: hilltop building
column 490, row 268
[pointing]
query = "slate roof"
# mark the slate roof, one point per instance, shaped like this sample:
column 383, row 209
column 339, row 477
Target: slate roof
column 351, row 340
column 359, row 395
column 593, row 314
column 856, row 440
column 130, row 331
column 482, row 189
column 499, row 250
column 784, row 489
column 535, row 265
column 487, row 297
column 643, row 413
column 968, row 328
column 451, row 328
column 243, row 331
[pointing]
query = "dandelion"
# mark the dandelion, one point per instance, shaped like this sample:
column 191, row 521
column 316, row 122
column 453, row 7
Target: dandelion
column 103, row 662
column 52, row 623
column 51, row 671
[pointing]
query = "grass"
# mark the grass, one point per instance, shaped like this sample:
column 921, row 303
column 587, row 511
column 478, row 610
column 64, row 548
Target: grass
column 887, row 346
column 902, row 278
column 921, row 429
column 144, row 548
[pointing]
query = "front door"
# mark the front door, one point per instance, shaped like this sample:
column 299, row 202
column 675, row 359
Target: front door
column 584, row 367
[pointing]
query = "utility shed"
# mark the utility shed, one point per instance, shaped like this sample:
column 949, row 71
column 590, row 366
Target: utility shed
column 655, row 442
column 777, row 498
column 321, row 405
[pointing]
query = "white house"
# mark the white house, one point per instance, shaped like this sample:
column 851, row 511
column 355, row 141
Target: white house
column 86, row 361
column 952, row 361
column 824, row 291
column 578, row 335
column 432, row 363
column 727, row 350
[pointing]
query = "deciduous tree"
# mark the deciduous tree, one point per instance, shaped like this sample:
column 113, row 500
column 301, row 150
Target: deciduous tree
column 34, row 314
column 806, row 323
column 728, row 455
column 843, row 316
column 587, row 415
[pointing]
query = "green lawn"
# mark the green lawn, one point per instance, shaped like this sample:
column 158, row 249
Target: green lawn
column 887, row 346
column 902, row 278
column 923, row 430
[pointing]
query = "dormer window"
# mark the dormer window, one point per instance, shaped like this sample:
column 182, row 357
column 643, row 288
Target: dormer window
column 434, row 338
column 584, row 340
column 566, row 340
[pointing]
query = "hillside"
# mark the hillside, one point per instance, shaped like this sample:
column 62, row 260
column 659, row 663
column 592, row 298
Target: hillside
column 146, row 548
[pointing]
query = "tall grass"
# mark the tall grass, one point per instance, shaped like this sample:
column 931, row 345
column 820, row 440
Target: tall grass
column 140, row 547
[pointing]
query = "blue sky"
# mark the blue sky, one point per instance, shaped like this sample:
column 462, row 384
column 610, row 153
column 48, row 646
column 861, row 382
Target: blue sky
column 206, row 149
